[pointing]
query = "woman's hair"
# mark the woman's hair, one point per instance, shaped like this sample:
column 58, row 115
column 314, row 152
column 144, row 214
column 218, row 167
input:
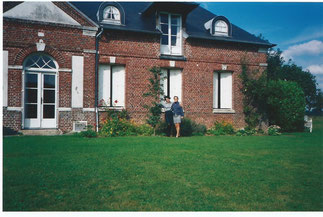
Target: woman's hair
column 176, row 97
column 166, row 97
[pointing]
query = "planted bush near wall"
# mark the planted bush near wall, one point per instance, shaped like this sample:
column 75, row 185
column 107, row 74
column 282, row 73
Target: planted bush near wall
column 118, row 123
column 188, row 128
column 89, row 133
column 221, row 128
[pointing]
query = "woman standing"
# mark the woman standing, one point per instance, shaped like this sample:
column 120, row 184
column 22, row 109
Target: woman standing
column 178, row 114
column 168, row 114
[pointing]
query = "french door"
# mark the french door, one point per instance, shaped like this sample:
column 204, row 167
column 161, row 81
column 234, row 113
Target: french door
column 40, row 100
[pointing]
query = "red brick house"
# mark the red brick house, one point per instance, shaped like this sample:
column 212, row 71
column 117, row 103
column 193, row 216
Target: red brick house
column 64, row 63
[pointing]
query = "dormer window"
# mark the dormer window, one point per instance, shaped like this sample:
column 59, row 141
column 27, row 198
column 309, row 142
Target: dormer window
column 111, row 15
column 221, row 28
column 171, row 28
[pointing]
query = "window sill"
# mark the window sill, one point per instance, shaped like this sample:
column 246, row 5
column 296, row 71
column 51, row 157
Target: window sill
column 172, row 57
column 223, row 111
column 117, row 108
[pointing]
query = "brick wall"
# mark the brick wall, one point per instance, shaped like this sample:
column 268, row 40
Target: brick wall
column 138, row 52
column 62, row 42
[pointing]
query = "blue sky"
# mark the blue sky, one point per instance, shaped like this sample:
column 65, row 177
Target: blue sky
column 296, row 28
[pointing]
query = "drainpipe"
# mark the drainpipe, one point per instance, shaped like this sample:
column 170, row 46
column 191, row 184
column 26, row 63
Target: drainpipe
column 97, row 38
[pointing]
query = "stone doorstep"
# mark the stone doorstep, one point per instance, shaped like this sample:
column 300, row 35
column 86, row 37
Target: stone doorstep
column 41, row 132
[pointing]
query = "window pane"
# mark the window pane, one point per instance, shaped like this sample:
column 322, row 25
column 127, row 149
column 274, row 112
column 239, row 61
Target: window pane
column 49, row 81
column 31, row 96
column 174, row 40
column 175, row 20
column 43, row 62
column 31, row 80
column 49, row 96
column 221, row 26
column 175, row 30
column 52, row 64
column 164, row 28
column 31, row 111
column 49, row 111
column 116, row 13
column 165, row 39
column 164, row 18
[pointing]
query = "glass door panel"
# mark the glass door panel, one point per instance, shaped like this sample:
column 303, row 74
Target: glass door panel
column 32, row 99
column 49, row 101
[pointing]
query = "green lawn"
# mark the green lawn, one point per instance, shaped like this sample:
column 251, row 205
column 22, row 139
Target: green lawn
column 157, row 173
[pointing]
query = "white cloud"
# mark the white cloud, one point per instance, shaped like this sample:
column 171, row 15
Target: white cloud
column 313, row 47
column 315, row 69
column 309, row 33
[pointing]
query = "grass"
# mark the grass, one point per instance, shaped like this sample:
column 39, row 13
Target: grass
column 227, row 173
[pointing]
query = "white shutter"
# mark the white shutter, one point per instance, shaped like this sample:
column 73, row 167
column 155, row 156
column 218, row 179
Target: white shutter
column 226, row 90
column 77, row 81
column 104, row 84
column 176, row 84
column 118, row 85
column 215, row 90
column 5, row 78
column 163, row 82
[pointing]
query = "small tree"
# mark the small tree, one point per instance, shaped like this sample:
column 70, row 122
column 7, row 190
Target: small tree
column 286, row 105
column 155, row 91
column 254, row 101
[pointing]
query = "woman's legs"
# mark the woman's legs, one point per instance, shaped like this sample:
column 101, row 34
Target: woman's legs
column 177, row 125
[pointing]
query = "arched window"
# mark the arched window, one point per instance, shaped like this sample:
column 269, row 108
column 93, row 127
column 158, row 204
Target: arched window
column 221, row 28
column 40, row 61
column 111, row 15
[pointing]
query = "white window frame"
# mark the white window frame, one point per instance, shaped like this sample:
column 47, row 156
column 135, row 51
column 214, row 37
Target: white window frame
column 169, row 49
column 168, row 85
column 111, row 101
column 222, row 33
column 218, row 92
column 110, row 20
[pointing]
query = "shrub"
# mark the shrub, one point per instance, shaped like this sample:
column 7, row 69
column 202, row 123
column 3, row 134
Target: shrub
column 118, row 123
column 161, row 129
column 246, row 132
column 198, row 129
column 188, row 128
column 145, row 130
column 8, row 131
column 123, row 114
column 286, row 105
column 274, row 130
column 89, row 133
column 221, row 128
column 115, row 126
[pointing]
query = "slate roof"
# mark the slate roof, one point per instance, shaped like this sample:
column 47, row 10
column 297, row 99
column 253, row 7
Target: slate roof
column 136, row 21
